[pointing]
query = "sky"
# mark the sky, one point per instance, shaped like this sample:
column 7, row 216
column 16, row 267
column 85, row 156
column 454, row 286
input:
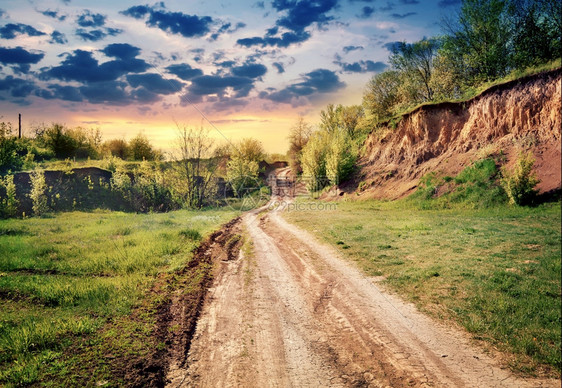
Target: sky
column 240, row 68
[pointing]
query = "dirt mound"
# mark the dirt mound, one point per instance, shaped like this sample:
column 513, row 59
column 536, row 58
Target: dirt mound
column 521, row 115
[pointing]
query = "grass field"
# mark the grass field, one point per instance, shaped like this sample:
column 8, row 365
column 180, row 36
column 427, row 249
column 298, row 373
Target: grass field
column 76, row 277
column 494, row 271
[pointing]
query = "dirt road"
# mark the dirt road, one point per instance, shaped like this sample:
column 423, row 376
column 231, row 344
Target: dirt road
column 289, row 312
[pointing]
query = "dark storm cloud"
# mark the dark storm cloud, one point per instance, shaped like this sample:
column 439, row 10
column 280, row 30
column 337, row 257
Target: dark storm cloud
column 251, row 70
column 189, row 26
column 123, row 51
column 155, row 83
column 366, row 12
column 279, row 66
column 216, row 84
column 403, row 15
column 316, row 82
column 145, row 96
column 89, row 19
column 19, row 57
column 298, row 16
column 448, row 3
column 82, row 67
column 184, row 71
column 347, row 49
column 11, row 30
column 54, row 15
column 362, row 67
column 58, row 37
column 65, row 93
column 17, row 87
column 303, row 13
column 96, row 35
column 106, row 92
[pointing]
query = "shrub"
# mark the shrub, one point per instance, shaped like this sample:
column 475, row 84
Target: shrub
column 8, row 202
column 38, row 193
column 313, row 161
column 519, row 182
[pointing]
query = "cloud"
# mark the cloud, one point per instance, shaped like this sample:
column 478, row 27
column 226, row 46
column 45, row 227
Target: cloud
column 17, row 87
column 366, row 12
column 184, row 71
column 251, row 70
column 227, row 28
column 19, row 57
column 286, row 39
column 11, row 30
column 2, row 13
column 215, row 84
column 53, row 14
column 58, row 37
column 404, row 15
column 298, row 15
column 279, row 66
column 65, row 93
column 348, row 49
column 106, row 92
column 388, row 7
column 448, row 3
column 96, row 35
column 82, row 67
column 303, row 13
column 89, row 19
column 363, row 67
column 155, row 83
column 123, row 51
column 316, row 82
column 189, row 26
column 409, row 2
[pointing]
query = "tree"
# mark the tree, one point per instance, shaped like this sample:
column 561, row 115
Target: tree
column 141, row 149
column 242, row 173
column 479, row 39
column 195, row 176
column 350, row 118
column 298, row 137
column 250, row 149
column 381, row 95
column 58, row 139
column 314, row 161
column 414, row 62
column 535, row 31
column 9, row 147
column 340, row 157
column 118, row 148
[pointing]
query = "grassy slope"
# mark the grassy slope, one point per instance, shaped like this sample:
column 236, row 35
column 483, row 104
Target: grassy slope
column 83, row 273
column 494, row 271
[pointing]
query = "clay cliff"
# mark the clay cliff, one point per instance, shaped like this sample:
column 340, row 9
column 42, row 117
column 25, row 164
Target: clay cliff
column 521, row 115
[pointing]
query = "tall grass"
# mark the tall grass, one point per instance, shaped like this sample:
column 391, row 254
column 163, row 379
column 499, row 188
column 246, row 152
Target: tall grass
column 68, row 275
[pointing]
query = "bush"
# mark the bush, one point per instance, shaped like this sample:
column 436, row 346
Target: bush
column 519, row 182
column 313, row 161
column 8, row 201
column 38, row 193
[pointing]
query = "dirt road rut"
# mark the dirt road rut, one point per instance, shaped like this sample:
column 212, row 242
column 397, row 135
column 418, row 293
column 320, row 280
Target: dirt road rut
column 288, row 312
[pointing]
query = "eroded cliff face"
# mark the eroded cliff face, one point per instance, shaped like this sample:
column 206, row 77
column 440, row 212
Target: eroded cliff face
column 518, row 116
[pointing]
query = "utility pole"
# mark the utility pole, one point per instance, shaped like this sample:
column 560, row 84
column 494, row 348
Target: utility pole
column 19, row 126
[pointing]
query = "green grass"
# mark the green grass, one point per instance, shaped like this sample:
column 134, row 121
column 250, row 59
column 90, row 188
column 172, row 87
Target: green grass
column 64, row 278
column 495, row 271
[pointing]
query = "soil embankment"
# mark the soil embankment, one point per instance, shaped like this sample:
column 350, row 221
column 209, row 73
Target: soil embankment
column 521, row 115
